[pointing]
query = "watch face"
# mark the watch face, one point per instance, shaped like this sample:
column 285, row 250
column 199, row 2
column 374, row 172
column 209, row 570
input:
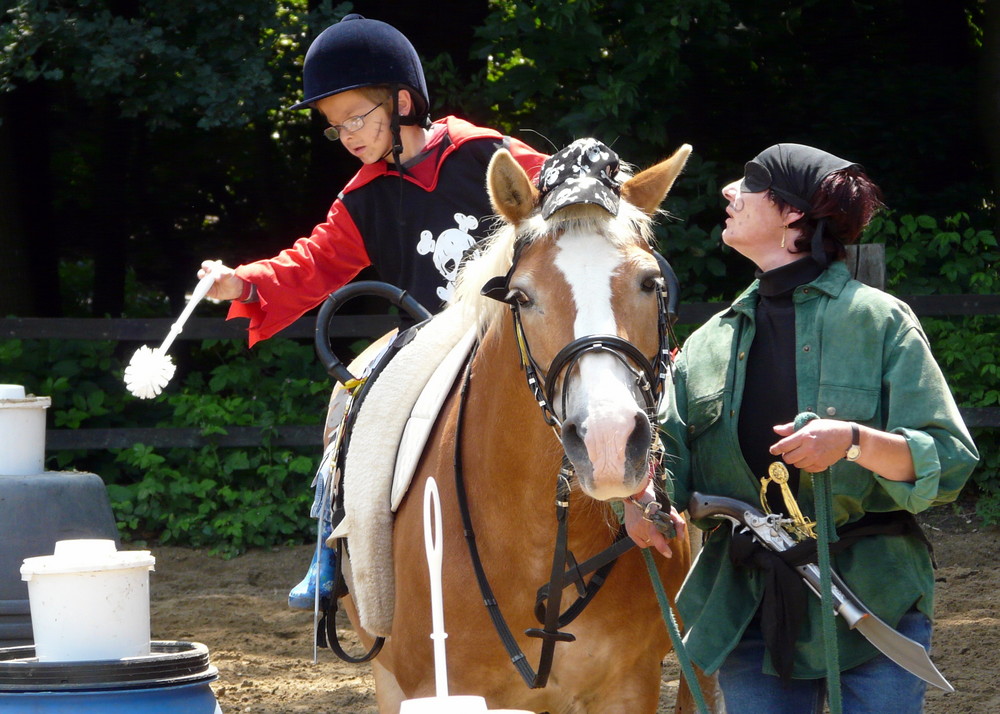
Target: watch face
column 853, row 452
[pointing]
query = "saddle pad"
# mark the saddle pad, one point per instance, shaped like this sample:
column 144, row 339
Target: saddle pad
column 424, row 415
column 370, row 463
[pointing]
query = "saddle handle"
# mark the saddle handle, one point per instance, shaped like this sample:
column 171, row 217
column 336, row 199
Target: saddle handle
column 397, row 296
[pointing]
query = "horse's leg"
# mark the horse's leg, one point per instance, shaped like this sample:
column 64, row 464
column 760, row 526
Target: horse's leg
column 709, row 690
column 387, row 692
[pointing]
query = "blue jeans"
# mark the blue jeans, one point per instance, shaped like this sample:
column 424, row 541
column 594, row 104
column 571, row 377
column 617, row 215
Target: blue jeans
column 877, row 686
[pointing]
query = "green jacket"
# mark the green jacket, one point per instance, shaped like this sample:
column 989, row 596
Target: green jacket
column 861, row 356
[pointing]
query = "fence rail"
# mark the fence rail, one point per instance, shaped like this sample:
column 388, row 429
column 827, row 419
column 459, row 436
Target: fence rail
column 341, row 326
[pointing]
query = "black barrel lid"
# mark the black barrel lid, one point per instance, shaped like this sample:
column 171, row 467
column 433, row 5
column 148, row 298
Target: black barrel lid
column 168, row 663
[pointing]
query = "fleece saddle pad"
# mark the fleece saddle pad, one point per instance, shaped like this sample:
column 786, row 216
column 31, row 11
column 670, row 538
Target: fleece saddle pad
column 400, row 408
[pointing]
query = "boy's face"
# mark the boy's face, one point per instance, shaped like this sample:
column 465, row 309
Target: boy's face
column 370, row 143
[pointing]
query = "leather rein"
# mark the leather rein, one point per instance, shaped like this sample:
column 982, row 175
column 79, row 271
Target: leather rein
column 650, row 379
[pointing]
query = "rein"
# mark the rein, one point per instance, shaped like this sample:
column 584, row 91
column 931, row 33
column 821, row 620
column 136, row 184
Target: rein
column 550, row 634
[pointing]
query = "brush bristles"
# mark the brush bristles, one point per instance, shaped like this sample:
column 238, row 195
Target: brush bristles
column 148, row 372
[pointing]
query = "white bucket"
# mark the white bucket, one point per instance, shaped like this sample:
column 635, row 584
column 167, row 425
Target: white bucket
column 22, row 431
column 444, row 705
column 89, row 601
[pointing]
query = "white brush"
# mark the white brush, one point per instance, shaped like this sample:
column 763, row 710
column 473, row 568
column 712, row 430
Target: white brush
column 149, row 371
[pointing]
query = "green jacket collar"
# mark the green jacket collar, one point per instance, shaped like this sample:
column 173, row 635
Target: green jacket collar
column 830, row 282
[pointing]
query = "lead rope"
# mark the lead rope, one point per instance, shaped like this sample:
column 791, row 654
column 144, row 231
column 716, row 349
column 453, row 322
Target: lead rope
column 687, row 669
column 675, row 636
column 826, row 534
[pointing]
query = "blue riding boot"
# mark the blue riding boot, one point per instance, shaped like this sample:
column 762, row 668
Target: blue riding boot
column 303, row 595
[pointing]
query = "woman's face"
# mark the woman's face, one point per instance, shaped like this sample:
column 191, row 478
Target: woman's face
column 753, row 221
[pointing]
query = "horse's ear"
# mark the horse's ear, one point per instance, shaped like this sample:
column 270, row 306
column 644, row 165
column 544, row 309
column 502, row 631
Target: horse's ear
column 511, row 192
column 646, row 190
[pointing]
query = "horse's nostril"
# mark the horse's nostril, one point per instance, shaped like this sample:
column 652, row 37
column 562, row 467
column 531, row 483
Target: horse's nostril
column 639, row 439
column 571, row 435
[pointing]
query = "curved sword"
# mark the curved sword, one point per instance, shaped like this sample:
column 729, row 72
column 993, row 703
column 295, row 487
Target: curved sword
column 767, row 529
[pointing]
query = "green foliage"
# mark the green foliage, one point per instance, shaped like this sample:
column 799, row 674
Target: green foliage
column 218, row 62
column 587, row 68
column 228, row 499
column 925, row 257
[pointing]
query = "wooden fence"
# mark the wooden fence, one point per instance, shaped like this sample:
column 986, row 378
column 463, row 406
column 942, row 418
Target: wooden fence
column 152, row 331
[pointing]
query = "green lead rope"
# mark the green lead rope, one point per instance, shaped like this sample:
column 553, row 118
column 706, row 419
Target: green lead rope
column 675, row 636
column 668, row 618
column 825, row 535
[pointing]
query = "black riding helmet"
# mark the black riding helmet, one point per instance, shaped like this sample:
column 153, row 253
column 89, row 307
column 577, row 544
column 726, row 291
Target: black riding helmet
column 358, row 52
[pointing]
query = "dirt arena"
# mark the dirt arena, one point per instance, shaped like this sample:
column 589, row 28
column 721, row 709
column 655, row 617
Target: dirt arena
column 263, row 650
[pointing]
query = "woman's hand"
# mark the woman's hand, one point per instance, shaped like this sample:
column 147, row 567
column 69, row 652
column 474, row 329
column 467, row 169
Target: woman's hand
column 643, row 532
column 823, row 442
column 814, row 447
column 227, row 285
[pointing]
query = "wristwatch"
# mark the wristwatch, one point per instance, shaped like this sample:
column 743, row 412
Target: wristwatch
column 855, row 449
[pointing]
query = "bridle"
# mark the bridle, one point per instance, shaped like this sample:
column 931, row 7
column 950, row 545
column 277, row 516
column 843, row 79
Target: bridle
column 650, row 378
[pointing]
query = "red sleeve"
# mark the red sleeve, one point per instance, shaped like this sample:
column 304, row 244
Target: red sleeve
column 301, row 277
column 529, row 159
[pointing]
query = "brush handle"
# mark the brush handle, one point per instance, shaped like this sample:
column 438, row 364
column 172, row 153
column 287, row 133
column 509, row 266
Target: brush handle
column 200, row 290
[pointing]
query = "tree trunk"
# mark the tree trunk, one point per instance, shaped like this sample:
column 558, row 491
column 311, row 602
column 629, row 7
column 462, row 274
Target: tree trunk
column 115, row 195
column 29, row 270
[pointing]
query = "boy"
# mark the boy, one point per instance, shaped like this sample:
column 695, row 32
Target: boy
column 417, row 204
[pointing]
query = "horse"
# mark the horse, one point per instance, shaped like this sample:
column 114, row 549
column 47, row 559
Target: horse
column 581, row 272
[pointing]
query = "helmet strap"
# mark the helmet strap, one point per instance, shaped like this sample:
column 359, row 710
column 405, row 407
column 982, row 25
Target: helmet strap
column 397, row 137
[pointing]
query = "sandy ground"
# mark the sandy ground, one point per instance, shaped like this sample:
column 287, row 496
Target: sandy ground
column 263, row 650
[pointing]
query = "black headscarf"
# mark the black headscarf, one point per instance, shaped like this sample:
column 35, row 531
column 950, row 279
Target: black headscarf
column 794, row 172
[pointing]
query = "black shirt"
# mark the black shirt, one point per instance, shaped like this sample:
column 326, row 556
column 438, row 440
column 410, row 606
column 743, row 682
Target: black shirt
column 770, row 395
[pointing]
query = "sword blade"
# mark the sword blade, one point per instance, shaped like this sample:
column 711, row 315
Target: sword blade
column 907, row 653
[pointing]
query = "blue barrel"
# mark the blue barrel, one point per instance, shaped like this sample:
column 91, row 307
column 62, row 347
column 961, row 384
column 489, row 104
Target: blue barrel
column 174, row 677
column 39, row 510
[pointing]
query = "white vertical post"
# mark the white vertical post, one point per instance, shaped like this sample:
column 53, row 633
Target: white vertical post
column 433, row 546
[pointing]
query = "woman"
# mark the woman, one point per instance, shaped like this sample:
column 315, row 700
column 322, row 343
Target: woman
column 805, row 337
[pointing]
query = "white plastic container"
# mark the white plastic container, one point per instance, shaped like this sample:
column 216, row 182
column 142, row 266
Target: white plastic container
column 444, row 705
column 89, row 601
column 22, row 431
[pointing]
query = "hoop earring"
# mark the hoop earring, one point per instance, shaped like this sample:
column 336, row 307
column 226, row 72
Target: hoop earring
column 783, row 229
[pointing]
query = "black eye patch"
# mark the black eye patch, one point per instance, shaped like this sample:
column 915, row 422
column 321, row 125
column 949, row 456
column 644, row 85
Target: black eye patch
column 756, row 178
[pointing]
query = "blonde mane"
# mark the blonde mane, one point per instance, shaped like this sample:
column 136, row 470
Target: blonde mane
column 629, row 226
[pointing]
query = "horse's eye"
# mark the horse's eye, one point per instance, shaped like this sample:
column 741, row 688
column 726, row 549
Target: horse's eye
column 520, row 298
column 650, row 283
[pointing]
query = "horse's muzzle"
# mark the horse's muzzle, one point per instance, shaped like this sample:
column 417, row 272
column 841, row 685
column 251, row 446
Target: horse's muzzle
column 609, row 455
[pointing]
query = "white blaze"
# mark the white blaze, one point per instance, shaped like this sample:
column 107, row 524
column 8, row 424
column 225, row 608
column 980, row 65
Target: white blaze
column 603, row 393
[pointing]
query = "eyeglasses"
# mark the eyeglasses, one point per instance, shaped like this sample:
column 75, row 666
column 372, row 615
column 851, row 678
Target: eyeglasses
column 350, row 126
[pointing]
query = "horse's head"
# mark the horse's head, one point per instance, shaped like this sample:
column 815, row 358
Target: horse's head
column 587, row 295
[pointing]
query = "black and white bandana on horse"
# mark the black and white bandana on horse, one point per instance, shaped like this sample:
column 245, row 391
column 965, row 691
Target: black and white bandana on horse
column 583, row 172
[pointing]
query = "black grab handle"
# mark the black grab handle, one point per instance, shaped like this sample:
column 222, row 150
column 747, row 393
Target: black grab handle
column 397, row 296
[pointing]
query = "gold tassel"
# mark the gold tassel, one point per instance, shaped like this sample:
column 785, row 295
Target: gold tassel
column 802, row 527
